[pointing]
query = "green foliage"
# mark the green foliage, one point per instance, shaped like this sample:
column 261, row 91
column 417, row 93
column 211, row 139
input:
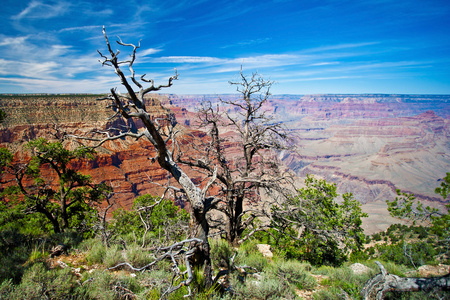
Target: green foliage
column 5, row 158
column 328, row 230
column 97, row 253
column 13, row 257
column 341, row 279
column 2, row 116
column 249, row 255
column 150, row 219
column 107, row 286
column 296, row 274
column 437, row 233
column 38, row 282
column 38, row 254
column 266, row 287
column 444, row 188
column 221, row 253
column 408, row 254
column 12, row 218
column 113, row 256
column 275, row 280
column 138, row 257
column 60, row 194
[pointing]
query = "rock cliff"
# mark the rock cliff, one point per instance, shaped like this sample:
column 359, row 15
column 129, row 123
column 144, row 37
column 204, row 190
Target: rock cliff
column 368, row 144
column 124, row 164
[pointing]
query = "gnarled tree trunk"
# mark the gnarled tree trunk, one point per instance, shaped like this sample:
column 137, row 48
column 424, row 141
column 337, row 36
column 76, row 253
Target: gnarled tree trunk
column 378, row 286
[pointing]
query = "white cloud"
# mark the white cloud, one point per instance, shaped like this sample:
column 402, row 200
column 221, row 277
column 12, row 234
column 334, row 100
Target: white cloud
column 40, row 10
column 149, row 51
column 340, row 46
column 101, row 84
column 28, row 69
column 324, row 64
column 248, row 43
column 13, row 41
column 80, row 28
column 187, row 59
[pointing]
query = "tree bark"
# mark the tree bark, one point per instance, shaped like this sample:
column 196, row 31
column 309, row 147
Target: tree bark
column 378, row 286
column 132, row 106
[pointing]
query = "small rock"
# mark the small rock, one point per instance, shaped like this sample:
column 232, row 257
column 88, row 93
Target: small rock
column 428, row 270
column 257, row 276
column 58, row 250
column 62, row 264
column 265, row 250
column 359, row 269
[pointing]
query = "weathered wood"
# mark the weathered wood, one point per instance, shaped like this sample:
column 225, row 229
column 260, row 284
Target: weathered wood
column 378, row 286
column 132, row 106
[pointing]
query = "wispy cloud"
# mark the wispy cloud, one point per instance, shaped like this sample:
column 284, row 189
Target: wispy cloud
column 55, row 41
column 187, row 59
column 319, row 64
column 40, row 10
column 12, row 41
column 27, row 69
column 80, row 28
column 340, row 47
column 149, row 51
column 38, row 85
column 250, row 42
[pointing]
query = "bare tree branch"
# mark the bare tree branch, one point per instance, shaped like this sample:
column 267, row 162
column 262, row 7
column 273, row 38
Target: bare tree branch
column 378, row 286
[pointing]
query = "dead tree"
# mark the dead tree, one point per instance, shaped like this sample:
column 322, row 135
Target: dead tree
column 162, row 137
column 256, row 137
column 174, row 253
column 378, row 286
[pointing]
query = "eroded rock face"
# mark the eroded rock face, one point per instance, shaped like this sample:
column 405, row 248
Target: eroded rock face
column 124, row 164
column 367, row 144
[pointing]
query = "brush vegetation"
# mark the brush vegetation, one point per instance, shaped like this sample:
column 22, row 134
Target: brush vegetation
column 313, row 245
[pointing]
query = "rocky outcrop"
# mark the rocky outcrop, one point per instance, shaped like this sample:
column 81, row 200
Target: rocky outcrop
column 126, row 165
column 369, row 145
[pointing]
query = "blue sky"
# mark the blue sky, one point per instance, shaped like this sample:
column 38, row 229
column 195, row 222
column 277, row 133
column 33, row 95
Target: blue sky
column 305, row 46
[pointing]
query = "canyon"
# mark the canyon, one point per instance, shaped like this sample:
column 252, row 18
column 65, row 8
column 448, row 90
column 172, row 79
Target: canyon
column 369, row 145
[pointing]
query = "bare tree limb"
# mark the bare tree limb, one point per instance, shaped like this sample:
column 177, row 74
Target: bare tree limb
column 378, row 286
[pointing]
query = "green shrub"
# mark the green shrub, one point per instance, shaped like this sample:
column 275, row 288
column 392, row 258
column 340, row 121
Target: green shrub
column 138, row 257
column 156, row 281
column 253, row 259
column 96, row 254
column 328, row 294
column 249, row 255
column 12, row 262
column 37, row 254
column 99, row 285
column 409, row 254
column 376, row 237
column 40, row 283
column 6, row 289
column 295, row 273
column 221, row 253
column 267, row 287
column 391, row 268
column 163, row 221
column 113, row 256
column 107, row 285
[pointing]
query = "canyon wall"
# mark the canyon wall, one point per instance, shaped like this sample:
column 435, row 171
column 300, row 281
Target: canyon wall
column 125, row 164
column 369, row 145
